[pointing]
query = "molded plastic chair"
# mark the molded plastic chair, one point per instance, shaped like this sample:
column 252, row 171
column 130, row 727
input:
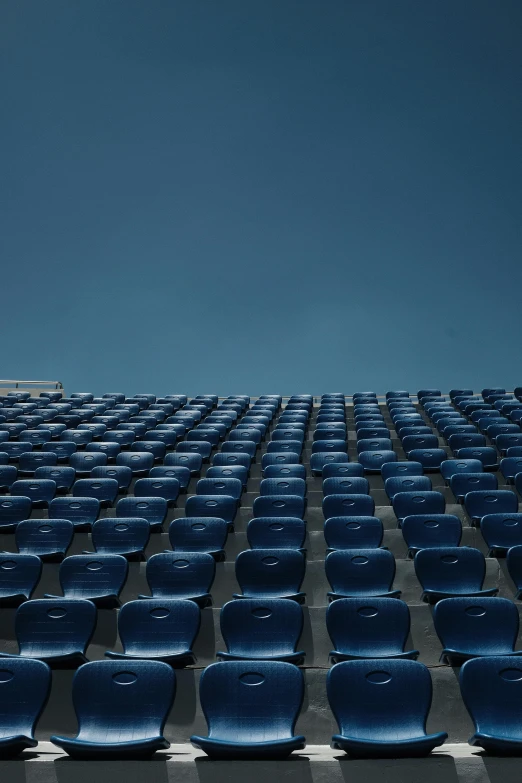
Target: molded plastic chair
column 279, row 506
column 381, row 708
column 153, row 509
column 356, row 573
column 19, row 575
column 421, row 502
column 348, row 505
column 186, row 575
column 57, row 633
column 126, row 536
column 239, row 472
column 166, row 488
column 345, row 485
column 476, row 627
column 342, row 470
column 121, row 709
column 353, row 533
column 199, row 534
column 454, row 467
column 242, row 721
column 41, row 491
column 377, row 628
column 29, row 462
column 249, row 447
column 283, row 486
column 430, row 459
column 501, row 532
column 486, row 454
column 104, row 489
column 230, row 487
column 451, row 572
column 48, row 539
column 23, row 696
column 374, row 444
column 462, row 483
column 514, row 565
column 140, row 462
column 490, row 688
column 266, row 629
column 429, row 531
column 395, row 468
column 8, row 474
column 84, row 461
column 373, row 461
column 12, row 511
column 62, row 475
column 121, row 474
column 271, row 573
column 396, row 484
column 95, row 577
column 509, row 467
column 276, row 533
column 82, row 512
column 482, row 502
column 283, row 472
column 191, row 461
column 222, row 506
column 319, row 460
column 162, row 630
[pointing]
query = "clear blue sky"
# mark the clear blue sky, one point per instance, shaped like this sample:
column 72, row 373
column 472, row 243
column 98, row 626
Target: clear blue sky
column 261, row 196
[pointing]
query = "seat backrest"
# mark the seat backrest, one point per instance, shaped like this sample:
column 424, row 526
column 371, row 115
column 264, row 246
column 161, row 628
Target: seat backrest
column 374, row 444
column 346, row 485
column 191, row 461
column 368, row 626
column 122, row 701
column 236, row 711
column 357, row 532
column 502, row 530
column 240, row 447
column 342, row 470
column 283, row 486
column 158, row 627
column 279, row 506
column 121, row 473
column 260, row 628
column 322, row 458
column 13, row 510
column 153, row 509
column 49, row 627
column 232, row 487
column 320, row 446
column 360, row 571
column 42, row 536
column 24, row 689
column 96, row 575
column 270, row 571
column 490, row 688
column 284, row 472
column 373, row 461
column 423, row 531
column 514, row 564
column 222, row 506
column 452, row 467
column 19, row 574
column 396, row 484
column 32, row 460
column 230, row 458
column 461, row 568
column 462, row 483
column 490, row 501
column 485, row 626
column 486, row 454
column 81, row 511
column 419, row 502
column 198, row 534
column 163, row 487
column 380, row 700
column 276, row 533
column 180, row 575
column 118, row 535
column 348, row 505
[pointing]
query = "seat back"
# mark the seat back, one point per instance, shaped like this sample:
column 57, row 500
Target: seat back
column 113, row 535
column 348, row 505
column 191, row 461
column 490, row 501
column 346, row 485
column 24, row 690
column 93, row 576
column 153, row 509
column 279, row 506
column 342, row 470
column 222, row 506
column 485, row 626
column 167, row 626
column 283, row 486
column 43, row 536
column 368, row 627
column 232, row 487
column 54, row 627
column 198, row 534
column 428, row 531
column 180, row 575
column 19, row 574
column 276, row 533
column 420, row 502
column 353, row 532
column 361, row 571
column 258, row 628
column 13, row 510
column 451, row 568
column 490, row 688
column 396, row 484
column 275, row 572
column 373, row 461
column 452, row 467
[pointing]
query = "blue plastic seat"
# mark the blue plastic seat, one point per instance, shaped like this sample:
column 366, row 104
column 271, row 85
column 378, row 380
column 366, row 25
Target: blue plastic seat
column 222, row 506
column 343, row 505
column 201, row 447
column 252, row 434
column 41, row 491
column 162, row 630
column 121, row 709
column 279, row 506
column 501, row 532
column 126, row 536
column 271, row 573
column 80, row 437
column 418, row 502
column 342, row 470
column 15, row 449
column 119, row 473
column 37, row 437
column 396, row 484
column 365, row 629
column 345, row 485
column 56, row 633
column 430, row 459
column 388, row 722
column 466, row 440
column 408, row 468
column 419, row 442
column 62, row 450
column 231, row 487
column 505, row 442
column 82, row 512
column 486, row 454
column 266, row 629
column 319, row 459
column 481, row 502
column 284, row 472
column 250, row 447
column 514, row 565
column 191, row 461
column 8, row 474
column 48, row 539
column 104, row 489
column 152, row 508
column 166, row 488
column 454, row 467
column 124, row 437
column 373, row 461
column 155, row 447
column 182, row 475
column 372, row 433
column 462, row 483
column 23, row 697
column 242, row 724
column 12, row 511
column 360, row 572
column 186, row 575
column 95, row 577
column 357, row 532
column 84, row 461
column 19, row 575
column 475, row 627
column 496, row 429
column 374, row 444
column 110, row 449
column 451, row 572
column 428, row 531
column 283, row 486
column 199, row 534
column 140, row 462
column 276, row 533
column 62, row 475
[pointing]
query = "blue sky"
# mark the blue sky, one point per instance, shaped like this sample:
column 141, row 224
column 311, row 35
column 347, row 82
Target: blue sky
column 255, row 196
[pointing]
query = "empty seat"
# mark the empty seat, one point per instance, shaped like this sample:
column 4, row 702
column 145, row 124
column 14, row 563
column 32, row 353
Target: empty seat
column 283, row 486
column 19, row 575
column 242, row 722
column 163, row 630
column 462, row 483
column 481, row 502
column 104, row 489
column 348, row 505
column 121, row 713
column 372, row 433
column 186, row 575
column 361, row 572
column 413, row 442
column 127, row 436
column 166, row 488
column 466, row 440
column 222, row 506
column 450, row 572
column 13, row 510
column 510, row 467
column 255, row 435
column 357, row 532
column 239, row 472
column 126, row 536
column 475, row 627
column 23, row 696
column 428, row 531
column 362, row 629
column 155, row 447
column 48, row 539
column 120, row 473
column 320, row 459
column 84, row 461
column 266, row 629
column 342, row 470
column 111, row 450
column 8, row 474
column 82, row 512
column 505, row 442
column 95, row 577
column 80, row 437
column 418, row 502
column 249, row 447
column 191, row 461
column 199, row 534
column 388, row 722
column 41, row 491
column 430, row 459
column 153, row 509
column 57, row 633
column 37, row 437
column 496, row 429
column 276, row 533
column 452, row 467
column 396, row 484
column 486, row 454
column 271, row 573
column 283, row 471
column 490, row 688
column 231, row 487
column 501, row 532
column 62, row 475
column 279, row 506
column 140, row 462
column 15, row 449
column 514, row 565
column 345, row 485
column 373, row 461
column 181, row 474
column 62, row 450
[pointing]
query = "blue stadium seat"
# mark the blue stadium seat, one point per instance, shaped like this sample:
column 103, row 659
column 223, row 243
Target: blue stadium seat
column 248, row 447
column 12, row 511
column 481, row 502
column 283, row 486
column 167, row 488
column 84, row 461
column 231, row 458
column 109, row 448
column 319, row 460
column 231, row 487
column 491, row 692
column 451, row 572
column 210, row 436
column 396, row 484
column 501, row 532
column 348, row 505
column 24, row 695
column 155, row 447
column 48, row 539
column 98, row 430
column 361, row 573
column 276, row 533
column 62, row 450
column 514, row 565
column 15, row 449
column 120, row 722
column 191, row 461
column 362, row 629
column 372, row 433
column 41, row 491
column 152, row 508
column 374, row 444
column 62, row 475
column 253, row 434
column 271, row 573
column 181, row 575
column 430, row 459
column 266, row 629
column 496, row 429
column 162, row 630
column 82, row 512
column 242, row 723
column 201, row 447
column 283, row 472
column 462, row 483
column 104, row 489
column 467, row 440
column 121, row 474
column 181, row 474
column 222, row 506
column 475, row 627
column 8, row 474
column 140, row 462
column 95, row 577
column 126, row 536
column 418, row 502
column 419, row 442
column 169, row 438
column 56, row 633
column 346, row 485
column 342, row 470
column 428, row 531
column 279, row 506
column 19, row 575
column 504, row 442
column 486, row 454
column 80, row 437
column 199, row 534
column 37, row 437
column 389, row 722
column 124, row 437
column 373, row 461
column 408, row 468
column 452, row 467
column 353, row 532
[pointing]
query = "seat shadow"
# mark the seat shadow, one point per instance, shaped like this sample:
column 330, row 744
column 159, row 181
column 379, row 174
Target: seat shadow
column 431, row 769
column 69, row 770
column 295, row 769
